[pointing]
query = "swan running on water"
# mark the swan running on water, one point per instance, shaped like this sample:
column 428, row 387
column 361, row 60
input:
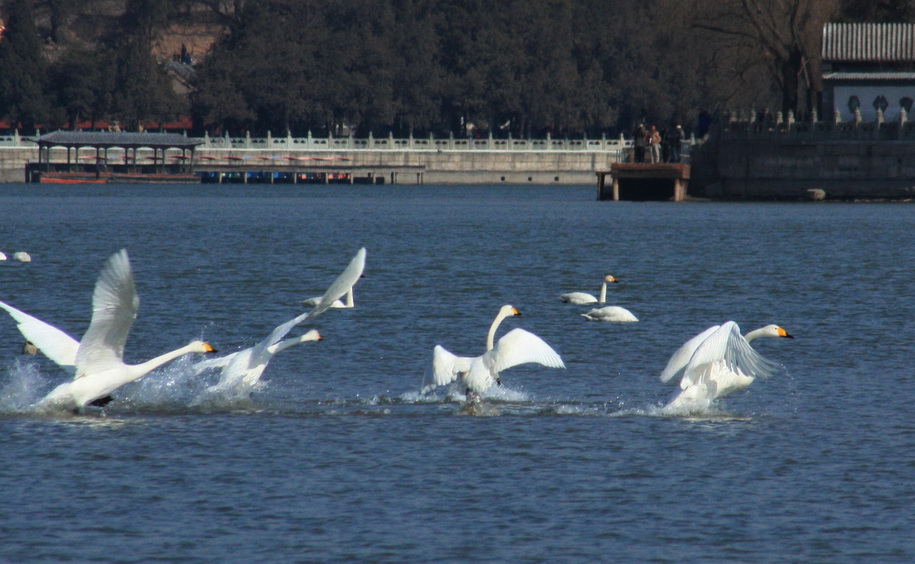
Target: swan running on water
column 242, row 370
column 98, row 357
column 581, row 298
column 480, row 373
column 717, row 362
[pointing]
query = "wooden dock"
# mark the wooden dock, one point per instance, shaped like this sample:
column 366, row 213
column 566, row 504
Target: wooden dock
column 643, row 181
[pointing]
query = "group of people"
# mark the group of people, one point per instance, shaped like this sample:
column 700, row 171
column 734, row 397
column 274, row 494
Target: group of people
column 654, row 146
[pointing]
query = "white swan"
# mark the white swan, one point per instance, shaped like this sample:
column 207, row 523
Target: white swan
column 610, row 313
column 54, row 343
column 243, row 369
column 22, row 256
column 2, row 255
column 100, row 368
column 336, row 304
column 478, row 374
column 580, row 298
column 718, row 362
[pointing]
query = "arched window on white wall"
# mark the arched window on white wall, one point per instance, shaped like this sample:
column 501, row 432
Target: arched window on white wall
column 853, row 104
column 906, row 103
column 880, row 103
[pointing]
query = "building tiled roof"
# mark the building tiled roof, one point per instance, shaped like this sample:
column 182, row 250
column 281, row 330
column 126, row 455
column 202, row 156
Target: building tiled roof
column 868, row 42
column 870, row 76
column 116, row 139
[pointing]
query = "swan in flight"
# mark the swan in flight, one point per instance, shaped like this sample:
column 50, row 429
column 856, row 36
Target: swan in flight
column 242, row 370
column 479, row 374
column 98, row 357
column 718, row 362
column 610, row 313
column 581, row 298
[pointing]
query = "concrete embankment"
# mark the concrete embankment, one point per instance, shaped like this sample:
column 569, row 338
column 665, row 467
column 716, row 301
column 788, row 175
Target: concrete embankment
column 427, row 166
column 807, row 161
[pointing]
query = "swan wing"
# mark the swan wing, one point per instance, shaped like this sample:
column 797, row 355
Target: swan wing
column 726, row 355
column 679, row 360
column 521, row 347
column 341, row 285
column 447, row 367
column 54, row 343
column 114, row 308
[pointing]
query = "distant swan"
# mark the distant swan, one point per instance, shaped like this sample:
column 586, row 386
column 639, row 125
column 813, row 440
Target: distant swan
column 22, row 256
column 243, row 369
column 98, row 357
column 718, row 362
column 581, row 298
column 480, row 373
column 2, row 255
column 610, row 313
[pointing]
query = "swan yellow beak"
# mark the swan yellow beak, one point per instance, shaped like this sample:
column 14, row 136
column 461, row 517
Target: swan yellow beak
column 515, row 312
column 319, row 337
column 783, row 333
column 208, row 348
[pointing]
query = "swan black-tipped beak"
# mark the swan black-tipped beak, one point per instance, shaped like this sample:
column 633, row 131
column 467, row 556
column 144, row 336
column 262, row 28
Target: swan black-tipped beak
column 788, row 335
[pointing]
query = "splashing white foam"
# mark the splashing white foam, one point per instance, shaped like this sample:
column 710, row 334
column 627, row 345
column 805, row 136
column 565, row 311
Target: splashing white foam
column 24, row 386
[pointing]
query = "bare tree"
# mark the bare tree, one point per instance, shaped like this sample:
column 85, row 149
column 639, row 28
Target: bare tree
column 782, row 36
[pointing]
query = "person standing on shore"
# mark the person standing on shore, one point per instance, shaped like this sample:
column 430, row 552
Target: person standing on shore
column 674, row 139
column 654, row 145
column 639, row 139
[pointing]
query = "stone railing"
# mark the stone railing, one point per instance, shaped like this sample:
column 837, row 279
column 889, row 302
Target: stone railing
column 753, row 126
column 390, row 143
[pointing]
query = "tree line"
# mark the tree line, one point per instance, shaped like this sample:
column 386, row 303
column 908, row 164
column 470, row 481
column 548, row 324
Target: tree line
column 464, row 67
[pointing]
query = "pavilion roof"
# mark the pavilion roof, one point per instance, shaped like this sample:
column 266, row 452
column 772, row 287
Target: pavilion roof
column 103, row 139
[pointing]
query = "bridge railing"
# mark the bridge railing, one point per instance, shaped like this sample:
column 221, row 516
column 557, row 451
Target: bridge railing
column 391, row 143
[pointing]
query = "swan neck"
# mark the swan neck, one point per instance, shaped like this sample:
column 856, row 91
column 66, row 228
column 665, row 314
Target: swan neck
column 492, row 330
column 754, row 334
column 349, row 298
column 603, row 293
column 137, row 371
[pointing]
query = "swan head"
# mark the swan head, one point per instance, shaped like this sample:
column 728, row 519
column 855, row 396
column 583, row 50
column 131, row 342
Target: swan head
column 508, row 311
column 771, row 331
column 201, row 347
column 312, row 335
column 610, row 278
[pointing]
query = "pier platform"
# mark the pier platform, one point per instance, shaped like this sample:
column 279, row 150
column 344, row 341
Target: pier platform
column 643, row 181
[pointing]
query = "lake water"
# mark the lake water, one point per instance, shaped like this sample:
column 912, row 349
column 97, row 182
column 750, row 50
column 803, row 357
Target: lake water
column 338, row 458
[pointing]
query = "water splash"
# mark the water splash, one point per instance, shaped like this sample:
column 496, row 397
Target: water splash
column 24, row 386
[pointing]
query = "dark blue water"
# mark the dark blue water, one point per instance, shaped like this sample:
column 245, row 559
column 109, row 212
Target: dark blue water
column 339, row 458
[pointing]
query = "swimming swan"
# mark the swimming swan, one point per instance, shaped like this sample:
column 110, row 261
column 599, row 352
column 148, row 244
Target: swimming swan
column 244, row 368
column 718, row 362
column 100, row 368
column 479, row 374
column 580, row 298
column 610, row 313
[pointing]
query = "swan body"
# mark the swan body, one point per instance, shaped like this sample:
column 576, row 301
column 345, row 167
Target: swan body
column 336, row 304
column 581, row 298
column 99, row 364
column 718, row 362
column 22, row 256
column 480, row 373
column 610, row 313
column 2, row 255
column 244, row 368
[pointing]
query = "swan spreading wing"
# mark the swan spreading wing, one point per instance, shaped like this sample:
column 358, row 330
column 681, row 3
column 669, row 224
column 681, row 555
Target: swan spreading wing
column 447, row 367
column 114, row 309
column 715, row 353
column 341, row 285
column 54, row 343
